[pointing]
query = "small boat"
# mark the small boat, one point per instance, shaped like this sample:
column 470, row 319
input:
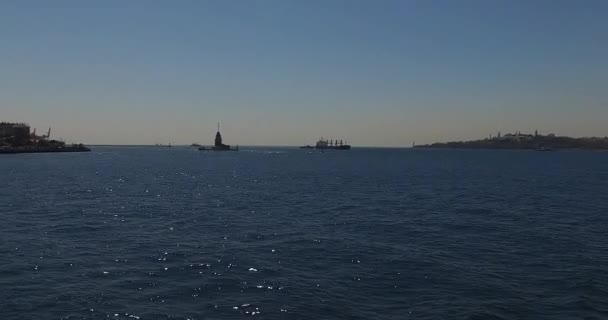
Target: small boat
column 544, row 149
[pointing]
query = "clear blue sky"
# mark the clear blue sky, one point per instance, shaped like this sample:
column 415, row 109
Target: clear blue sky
column 278, row 72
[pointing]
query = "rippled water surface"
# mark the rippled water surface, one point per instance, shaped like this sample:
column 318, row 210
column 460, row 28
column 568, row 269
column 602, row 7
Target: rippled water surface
column 174, row 233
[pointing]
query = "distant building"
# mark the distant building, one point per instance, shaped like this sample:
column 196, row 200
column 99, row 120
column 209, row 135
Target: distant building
column 218, row 137
column 219, row 144
column 18, row 133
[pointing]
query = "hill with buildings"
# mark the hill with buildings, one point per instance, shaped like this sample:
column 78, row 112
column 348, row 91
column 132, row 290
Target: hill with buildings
column 534, row 141
column 18, row 138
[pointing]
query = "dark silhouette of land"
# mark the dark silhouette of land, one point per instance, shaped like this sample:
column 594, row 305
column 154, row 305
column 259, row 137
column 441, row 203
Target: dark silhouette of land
column 534, row 141
column 17, row 138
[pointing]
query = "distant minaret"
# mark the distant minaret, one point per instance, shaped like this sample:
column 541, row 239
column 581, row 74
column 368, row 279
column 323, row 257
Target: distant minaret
column 218, row 136
column 536, row 133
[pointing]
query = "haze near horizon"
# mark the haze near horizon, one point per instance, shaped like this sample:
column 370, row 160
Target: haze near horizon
column 288, row 72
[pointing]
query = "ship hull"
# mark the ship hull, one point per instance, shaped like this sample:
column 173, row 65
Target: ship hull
column 346, row 147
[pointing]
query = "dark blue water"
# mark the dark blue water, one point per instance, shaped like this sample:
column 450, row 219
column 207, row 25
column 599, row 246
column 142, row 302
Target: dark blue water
column 136, row 233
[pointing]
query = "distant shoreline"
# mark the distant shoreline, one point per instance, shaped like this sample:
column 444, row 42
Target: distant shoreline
column 181, row 146
column 17, row 150
column 520, row 141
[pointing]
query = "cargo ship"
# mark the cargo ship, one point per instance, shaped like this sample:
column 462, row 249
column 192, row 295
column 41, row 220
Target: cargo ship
column 325, row 144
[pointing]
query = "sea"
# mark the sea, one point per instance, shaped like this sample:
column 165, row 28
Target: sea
column 284, row 233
